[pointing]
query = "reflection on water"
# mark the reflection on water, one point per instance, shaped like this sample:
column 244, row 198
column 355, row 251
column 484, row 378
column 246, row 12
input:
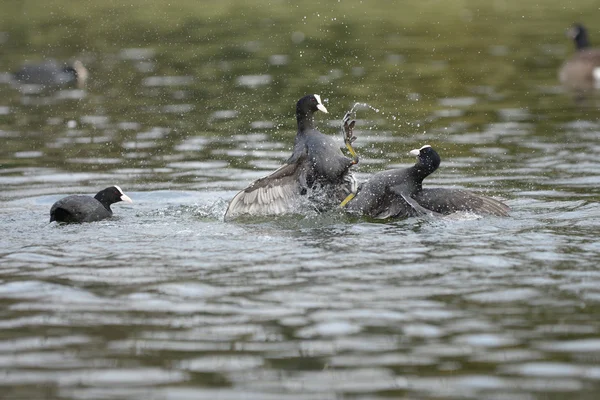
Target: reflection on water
column 165, row 300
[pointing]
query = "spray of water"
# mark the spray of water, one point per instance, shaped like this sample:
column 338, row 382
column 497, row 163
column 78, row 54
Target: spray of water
column 350, row 115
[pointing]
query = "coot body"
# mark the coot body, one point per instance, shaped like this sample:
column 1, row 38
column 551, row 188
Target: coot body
column 80, row 208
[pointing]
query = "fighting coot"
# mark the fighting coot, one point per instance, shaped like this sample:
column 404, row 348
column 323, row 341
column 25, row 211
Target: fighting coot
column 316, row 170
column 389, row 194
column 399, row 193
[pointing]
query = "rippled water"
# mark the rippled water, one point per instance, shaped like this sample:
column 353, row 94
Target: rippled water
column 167, row 301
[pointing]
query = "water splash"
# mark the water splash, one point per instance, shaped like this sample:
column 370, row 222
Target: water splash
column 350, row 115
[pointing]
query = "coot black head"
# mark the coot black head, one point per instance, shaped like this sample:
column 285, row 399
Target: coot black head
column 578, row 33
column 305, row 108
column 111, row 195
column 428, row 160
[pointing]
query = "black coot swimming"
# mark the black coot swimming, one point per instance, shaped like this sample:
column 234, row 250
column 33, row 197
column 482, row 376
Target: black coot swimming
column 581, row 72
column 52, row 73
column 399, row 193
column 79, row 208
column 317, row 170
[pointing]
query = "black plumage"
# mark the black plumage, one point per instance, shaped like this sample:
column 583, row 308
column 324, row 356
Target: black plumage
column 80, row 208
column 399, row 193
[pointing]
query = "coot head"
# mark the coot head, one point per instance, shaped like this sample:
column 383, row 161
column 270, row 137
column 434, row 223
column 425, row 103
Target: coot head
column 428, row 160
column 309, row 104
column 305, row 108
column 111, row 195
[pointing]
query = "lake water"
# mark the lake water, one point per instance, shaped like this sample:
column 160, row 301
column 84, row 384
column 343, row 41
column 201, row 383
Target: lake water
column 185, row 106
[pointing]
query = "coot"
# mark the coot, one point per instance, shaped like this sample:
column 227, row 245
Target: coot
column 389, row 194
column 79, row 208
column 317, row 170
column 51, row 73
column 399, row 193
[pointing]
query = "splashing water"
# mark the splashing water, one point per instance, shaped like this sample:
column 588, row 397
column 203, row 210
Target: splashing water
column 350, row 115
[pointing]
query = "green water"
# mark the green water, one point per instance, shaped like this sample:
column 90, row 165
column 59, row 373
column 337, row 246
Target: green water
column 385, row 54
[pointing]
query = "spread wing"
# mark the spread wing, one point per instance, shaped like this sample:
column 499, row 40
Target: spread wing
column 273, row 194
column 402, row 205
column 387, row 202
column 447, row 201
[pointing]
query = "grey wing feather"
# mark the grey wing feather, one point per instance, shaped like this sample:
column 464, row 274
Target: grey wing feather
column 274, row 194
column 447, row 201
column 392, row 203
column 405, row 206
column 416, row 209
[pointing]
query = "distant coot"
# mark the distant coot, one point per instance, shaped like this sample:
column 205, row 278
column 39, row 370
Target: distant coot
column 317, row 170
column 581, row 72
column 52, row 73
column 80, row 208
column 399, row 193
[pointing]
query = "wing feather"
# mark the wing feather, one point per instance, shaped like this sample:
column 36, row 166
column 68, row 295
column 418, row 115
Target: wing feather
column 276, row 193
column 447, row 201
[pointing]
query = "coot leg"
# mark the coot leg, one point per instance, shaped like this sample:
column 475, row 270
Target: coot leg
column 349, row 138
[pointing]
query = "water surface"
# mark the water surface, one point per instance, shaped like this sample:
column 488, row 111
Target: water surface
column 167, row 301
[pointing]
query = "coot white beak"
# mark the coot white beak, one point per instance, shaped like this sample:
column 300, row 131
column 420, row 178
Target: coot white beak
column 416, row 152
column 126, row 198
column 320, row 105
column 123, row 197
